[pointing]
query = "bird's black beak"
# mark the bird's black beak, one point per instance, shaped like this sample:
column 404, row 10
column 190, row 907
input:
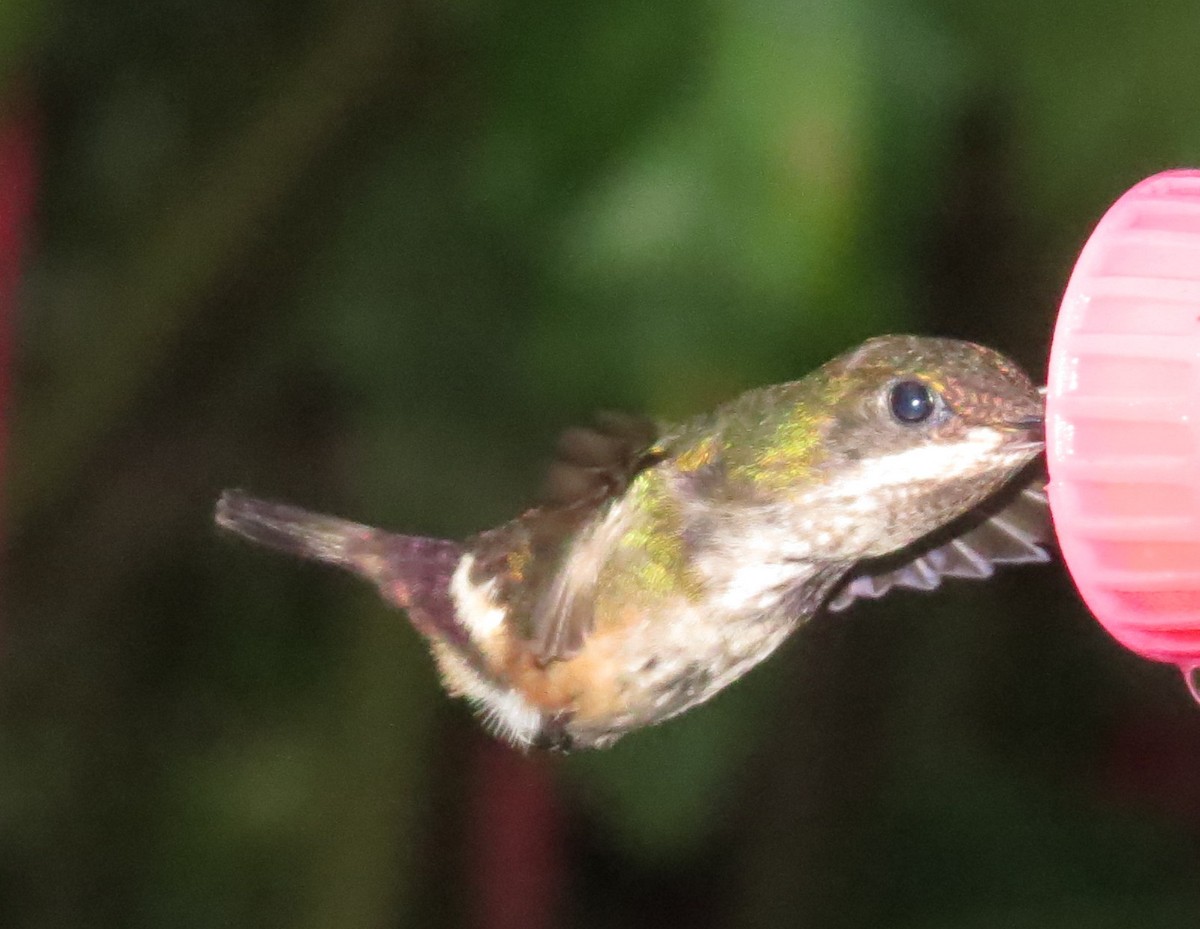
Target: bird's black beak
column 1033, row 425
column 1034, row 428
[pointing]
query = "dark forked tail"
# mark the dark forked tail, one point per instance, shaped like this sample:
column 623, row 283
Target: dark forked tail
column 295, row 531
column 410, row 571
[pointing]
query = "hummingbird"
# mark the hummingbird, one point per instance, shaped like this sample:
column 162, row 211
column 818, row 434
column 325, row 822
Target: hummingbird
column 663, row 562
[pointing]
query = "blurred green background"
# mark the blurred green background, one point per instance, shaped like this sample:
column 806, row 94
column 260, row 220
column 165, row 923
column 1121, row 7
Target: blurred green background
column 371, row 256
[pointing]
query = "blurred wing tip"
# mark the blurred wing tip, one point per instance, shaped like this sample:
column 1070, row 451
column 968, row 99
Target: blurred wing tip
column 1017, row 534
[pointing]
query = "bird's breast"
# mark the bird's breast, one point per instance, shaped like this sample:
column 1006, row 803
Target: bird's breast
column 676, row 616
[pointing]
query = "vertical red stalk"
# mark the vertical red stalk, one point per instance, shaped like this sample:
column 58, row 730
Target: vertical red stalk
column 1152, row 762
column 18, row 178
column 517, row 861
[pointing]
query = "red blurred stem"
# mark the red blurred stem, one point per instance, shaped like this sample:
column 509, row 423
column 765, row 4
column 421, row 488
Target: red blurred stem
column 18, row 180
column 517, row 865
column 1152, row 763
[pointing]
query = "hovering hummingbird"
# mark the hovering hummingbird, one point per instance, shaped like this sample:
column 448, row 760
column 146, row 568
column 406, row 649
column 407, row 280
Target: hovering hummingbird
column 665, row 563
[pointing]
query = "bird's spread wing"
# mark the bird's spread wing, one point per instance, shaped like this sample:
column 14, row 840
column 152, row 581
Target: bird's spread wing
column 592, row 466
column 1018, row 532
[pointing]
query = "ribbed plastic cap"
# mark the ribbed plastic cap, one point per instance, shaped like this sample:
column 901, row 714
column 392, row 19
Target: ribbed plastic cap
column 1123, row 421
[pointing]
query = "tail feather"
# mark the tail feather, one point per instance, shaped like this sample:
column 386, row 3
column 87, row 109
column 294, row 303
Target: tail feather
column 294, row 531
column 410, row 571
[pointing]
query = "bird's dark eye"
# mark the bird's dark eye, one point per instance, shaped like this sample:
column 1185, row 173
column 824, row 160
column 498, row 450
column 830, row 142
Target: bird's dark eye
column 911, row 402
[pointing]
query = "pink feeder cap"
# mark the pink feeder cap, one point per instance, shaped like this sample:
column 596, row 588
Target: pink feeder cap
column 1123, row 421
